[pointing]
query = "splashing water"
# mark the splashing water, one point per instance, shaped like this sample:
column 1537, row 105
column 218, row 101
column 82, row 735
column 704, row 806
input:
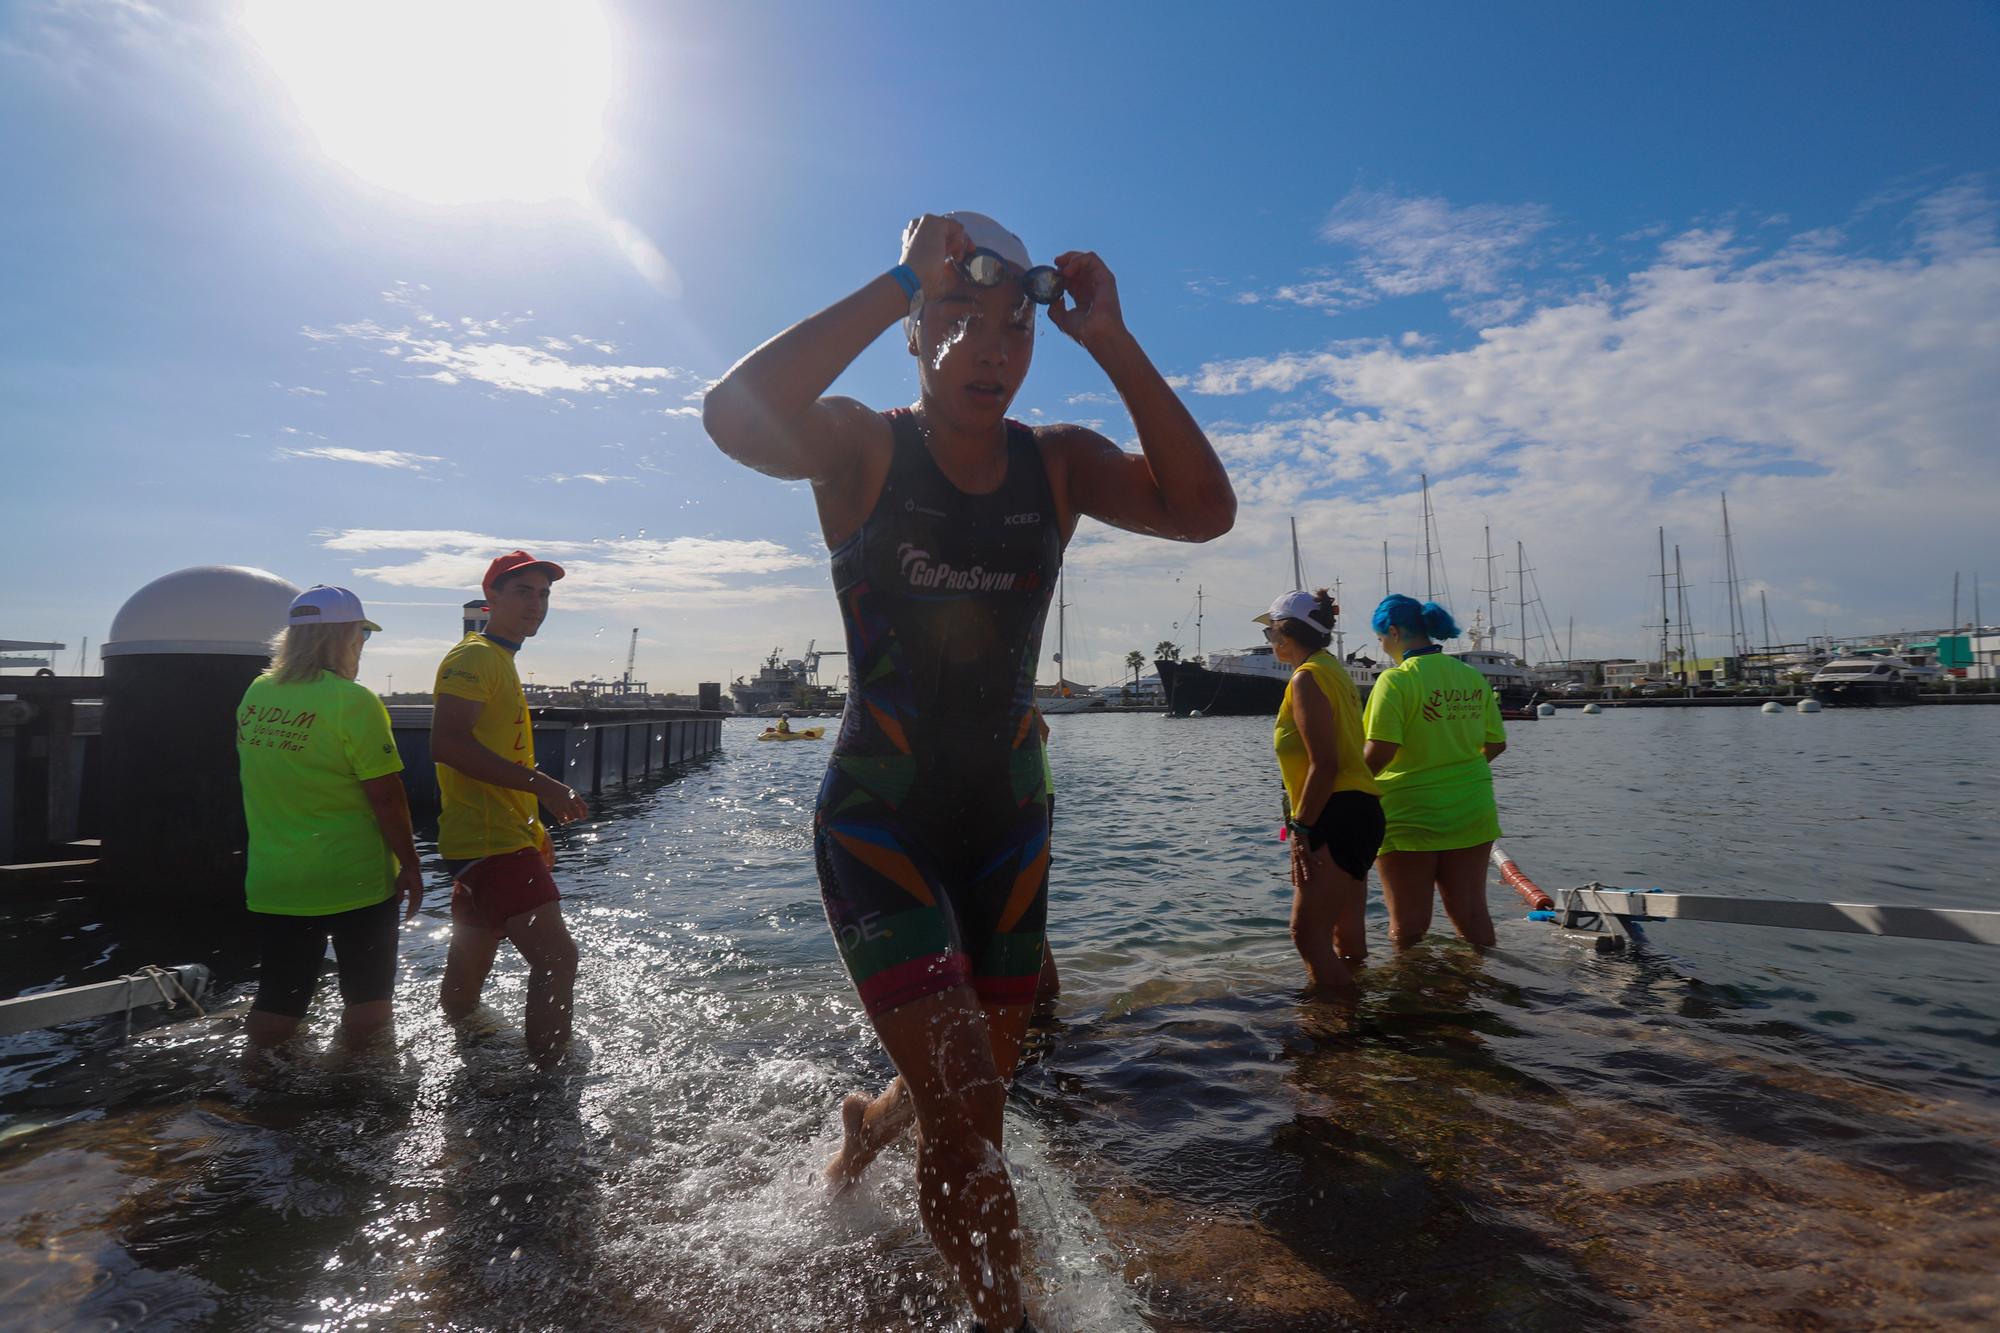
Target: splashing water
column 952, row 338
column 1752, row 1125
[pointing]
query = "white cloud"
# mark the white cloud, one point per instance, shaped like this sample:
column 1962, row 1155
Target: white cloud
column 596, row 478
column 674, row 572
column 1410, row 244
column 468, row 351
column 1843, row 397
column 389, row 458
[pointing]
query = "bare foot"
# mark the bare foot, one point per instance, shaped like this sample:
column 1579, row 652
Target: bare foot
column 855, row 1152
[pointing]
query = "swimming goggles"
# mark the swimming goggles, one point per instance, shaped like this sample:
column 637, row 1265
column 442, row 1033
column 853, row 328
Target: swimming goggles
column 985, row 268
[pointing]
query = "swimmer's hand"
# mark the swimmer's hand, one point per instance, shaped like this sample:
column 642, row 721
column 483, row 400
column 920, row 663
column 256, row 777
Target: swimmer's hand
column 931, row 245
column 1093, row 315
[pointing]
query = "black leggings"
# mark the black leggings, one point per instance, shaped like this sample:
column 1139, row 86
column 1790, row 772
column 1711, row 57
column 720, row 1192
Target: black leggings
column 293, row 947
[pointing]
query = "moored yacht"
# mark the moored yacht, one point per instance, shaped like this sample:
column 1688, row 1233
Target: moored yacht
column 1864, row 682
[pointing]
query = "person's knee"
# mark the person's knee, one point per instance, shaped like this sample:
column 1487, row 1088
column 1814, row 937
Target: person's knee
column 558, row 960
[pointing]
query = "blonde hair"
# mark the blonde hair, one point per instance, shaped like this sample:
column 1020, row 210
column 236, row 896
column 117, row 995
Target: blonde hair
column 303, row 651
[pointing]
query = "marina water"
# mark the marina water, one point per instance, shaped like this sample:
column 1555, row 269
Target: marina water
column 1737, row 1127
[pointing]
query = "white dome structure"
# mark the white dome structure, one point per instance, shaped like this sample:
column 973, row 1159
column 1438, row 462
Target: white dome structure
column 229, row 610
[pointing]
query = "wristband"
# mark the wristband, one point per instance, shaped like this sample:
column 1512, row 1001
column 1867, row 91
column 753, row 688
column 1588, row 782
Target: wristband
column 906, row 278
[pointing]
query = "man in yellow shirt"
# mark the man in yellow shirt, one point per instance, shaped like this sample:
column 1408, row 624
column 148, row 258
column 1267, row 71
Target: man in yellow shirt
column 490, row 833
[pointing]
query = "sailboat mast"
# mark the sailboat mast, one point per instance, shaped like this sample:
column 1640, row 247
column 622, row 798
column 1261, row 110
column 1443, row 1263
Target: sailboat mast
column 1739, row 628
column 1430, row 582
column 1764, row 602
column 1954, row 601
column 1665, row 619
column 1491, row 626
column 1385, row 568
column 1521, row 596
column 1298, row 570
column 1197, row 621
column 1680, row 596
column 1062, row 605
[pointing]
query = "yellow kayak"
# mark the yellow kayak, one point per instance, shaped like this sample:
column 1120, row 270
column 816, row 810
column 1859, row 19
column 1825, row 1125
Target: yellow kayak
column 805, row 734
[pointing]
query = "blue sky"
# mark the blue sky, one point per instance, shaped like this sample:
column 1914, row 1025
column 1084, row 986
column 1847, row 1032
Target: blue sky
column 1585, row 265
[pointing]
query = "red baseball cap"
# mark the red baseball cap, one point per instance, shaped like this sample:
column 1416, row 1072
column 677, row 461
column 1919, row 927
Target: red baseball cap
column 512, row 563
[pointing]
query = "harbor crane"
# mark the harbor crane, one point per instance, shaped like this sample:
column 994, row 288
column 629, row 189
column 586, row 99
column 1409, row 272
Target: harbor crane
column 631, row 657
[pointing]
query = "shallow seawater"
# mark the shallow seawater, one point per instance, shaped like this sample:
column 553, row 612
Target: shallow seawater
column 1736, row 1127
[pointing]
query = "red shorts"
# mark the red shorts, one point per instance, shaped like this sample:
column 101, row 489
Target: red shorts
column 495, row 889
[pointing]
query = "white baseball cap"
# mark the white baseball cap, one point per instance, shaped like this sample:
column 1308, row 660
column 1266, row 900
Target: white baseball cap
column 323, row 605
column 1296, row 605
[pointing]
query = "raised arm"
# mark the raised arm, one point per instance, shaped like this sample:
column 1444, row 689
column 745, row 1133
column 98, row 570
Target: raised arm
column 768, row 413
column 1177, row 488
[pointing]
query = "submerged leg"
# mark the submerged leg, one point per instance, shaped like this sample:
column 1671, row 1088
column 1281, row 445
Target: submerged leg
column 1408, row 881
column 1461, row 881
column 1327, row 902
column 466, row 962
column 544, row 941
column 868, row 1125
column 944, row 1050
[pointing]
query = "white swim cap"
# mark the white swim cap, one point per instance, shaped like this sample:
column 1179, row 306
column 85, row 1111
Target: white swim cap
column 985, row 234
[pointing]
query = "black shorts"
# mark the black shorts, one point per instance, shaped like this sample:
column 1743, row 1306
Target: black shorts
column 1351, row 828
column 292, row 948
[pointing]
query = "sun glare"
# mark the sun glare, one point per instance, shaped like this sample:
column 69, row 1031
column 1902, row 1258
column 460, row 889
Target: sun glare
column 450, row 101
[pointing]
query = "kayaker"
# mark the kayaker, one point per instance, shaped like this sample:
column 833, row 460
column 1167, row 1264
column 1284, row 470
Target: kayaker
column 1434, row 729
column 784, row 727
column 330, row 851
column 490, row 833
column 1333, row 807
column 947, row 523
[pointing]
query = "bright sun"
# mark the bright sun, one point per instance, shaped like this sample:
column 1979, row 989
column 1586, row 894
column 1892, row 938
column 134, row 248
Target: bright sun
column 451, row 101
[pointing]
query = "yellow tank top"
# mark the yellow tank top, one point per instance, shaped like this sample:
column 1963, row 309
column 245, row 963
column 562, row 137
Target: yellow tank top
column 1351, row 774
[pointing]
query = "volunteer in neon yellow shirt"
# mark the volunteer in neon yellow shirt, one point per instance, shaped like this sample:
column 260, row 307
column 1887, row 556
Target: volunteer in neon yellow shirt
column 490, row 832
column 330, row 851
column 1333, row 812
column 1433, row 729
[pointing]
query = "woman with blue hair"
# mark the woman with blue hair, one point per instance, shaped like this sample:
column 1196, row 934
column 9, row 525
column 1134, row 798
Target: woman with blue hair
column 1433, row 729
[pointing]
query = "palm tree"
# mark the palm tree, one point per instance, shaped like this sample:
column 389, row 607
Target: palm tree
column 1170, row 651
column 1135, row 662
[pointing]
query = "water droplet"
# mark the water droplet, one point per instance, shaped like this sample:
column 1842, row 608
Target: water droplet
column 516, row 1254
